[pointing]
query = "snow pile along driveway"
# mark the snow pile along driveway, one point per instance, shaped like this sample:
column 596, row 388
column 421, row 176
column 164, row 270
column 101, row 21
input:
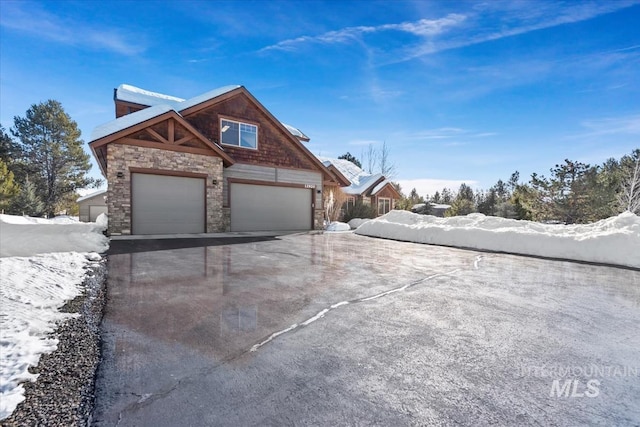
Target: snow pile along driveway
column 33, row 287
column 23, row 236
column 614, row 240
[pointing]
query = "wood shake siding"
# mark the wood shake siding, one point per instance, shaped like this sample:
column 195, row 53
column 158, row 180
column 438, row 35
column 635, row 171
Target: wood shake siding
column 275, row 148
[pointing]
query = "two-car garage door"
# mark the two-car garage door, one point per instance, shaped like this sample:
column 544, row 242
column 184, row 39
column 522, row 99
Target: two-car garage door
column 266, row 207
column 162, row 204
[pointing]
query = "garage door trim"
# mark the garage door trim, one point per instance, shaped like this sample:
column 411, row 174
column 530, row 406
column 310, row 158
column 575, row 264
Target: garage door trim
column 165, row 172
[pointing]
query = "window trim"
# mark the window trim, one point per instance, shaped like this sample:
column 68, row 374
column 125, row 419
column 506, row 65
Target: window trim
column 240, row 123
column 384, row 199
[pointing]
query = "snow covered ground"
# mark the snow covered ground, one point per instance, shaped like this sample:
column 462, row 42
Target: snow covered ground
column 338, row 226
column 613, row 240
column 42, row 265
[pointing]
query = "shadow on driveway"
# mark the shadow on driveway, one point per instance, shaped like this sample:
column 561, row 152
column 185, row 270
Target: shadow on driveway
column 118, row 247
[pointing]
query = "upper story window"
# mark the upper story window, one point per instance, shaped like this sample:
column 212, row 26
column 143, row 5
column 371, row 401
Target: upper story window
column 239, row 134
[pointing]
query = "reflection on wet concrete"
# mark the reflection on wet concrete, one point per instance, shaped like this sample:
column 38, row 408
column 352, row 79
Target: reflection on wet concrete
column 177, row 315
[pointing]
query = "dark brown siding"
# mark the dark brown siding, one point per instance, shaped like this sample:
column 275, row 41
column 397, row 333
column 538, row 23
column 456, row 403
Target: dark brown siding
column 274, row 147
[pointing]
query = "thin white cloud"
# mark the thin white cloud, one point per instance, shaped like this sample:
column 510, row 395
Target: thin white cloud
column 422, row 27
column 444, row 133
column 428, row 186
column 358, row 142
column 482, row 23
column 624, row 125
column 27, row 18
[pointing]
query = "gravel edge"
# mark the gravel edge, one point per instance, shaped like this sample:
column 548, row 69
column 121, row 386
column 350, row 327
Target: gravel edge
column 63, row 394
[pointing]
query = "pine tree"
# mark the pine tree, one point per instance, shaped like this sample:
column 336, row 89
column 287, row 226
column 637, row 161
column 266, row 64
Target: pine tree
column 27, row 201
column 350, row 157
column 8, row 187
column 52, row 152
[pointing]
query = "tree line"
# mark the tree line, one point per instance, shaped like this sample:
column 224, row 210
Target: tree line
column 42, row 163
column 573, row 192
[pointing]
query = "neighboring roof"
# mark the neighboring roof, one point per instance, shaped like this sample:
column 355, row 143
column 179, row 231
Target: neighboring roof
column 91, row 195
column 128, row 121
column 360, row 181
column 296, row 132
column 380, row 186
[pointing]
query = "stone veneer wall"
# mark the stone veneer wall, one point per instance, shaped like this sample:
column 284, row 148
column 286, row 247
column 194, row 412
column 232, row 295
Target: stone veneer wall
column 318, row 219
column 121, row 157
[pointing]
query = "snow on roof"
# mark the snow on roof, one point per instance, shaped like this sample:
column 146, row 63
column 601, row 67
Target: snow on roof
column 129, row 120
column 359, row 179
column 295, row 131
column 136, row 95
column 206, row 96
column 440, row 206
column 380, row 186
column 90, row 195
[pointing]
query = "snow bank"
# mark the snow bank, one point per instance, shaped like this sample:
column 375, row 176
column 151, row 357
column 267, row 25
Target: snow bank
column 614, row 240
column 357, row 222
column 338, row 226
column 24, row 236
column 33, row 289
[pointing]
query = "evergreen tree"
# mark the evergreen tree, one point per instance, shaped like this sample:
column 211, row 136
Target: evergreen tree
column 348, row 156
column 463, row 203
column 52, row 152
column 447, row 196
column 436, row 197
column 8, row 187
column 27, row 201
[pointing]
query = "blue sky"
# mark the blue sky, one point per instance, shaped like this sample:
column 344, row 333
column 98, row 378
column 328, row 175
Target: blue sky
column 460, row 91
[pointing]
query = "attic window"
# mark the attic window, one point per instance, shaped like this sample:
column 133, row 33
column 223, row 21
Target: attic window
column 238, row 134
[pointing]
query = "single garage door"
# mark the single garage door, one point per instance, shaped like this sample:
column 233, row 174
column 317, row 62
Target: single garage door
column 163, row 204
column 95, row 210
column 264, row 207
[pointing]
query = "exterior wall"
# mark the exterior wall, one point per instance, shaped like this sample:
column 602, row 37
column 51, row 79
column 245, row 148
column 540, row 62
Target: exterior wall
column 275, row 148
column 124, row 108
column 83, row 206
column 272, row 174
column 120, row 158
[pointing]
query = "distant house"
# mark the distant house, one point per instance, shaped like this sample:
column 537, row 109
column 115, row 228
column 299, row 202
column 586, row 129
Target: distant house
column 370, row 189
column 216, row 162
column 436, row 209
column 92, row 205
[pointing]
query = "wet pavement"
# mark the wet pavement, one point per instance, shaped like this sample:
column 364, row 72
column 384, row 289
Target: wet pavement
column 340, row 329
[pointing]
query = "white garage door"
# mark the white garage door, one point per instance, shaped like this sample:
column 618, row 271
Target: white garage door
column 263, row 207
column 163, row 204
column 95, row 210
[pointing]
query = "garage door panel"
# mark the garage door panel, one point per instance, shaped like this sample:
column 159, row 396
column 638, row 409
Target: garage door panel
column 167, row 204
column 264, row 207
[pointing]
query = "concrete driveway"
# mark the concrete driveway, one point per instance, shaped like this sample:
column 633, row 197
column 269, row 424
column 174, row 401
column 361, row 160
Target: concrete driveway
column 340, row 329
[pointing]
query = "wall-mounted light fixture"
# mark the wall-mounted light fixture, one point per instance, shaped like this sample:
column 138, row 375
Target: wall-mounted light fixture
column 319, row 191
column 120, row 174
column 214, row 181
